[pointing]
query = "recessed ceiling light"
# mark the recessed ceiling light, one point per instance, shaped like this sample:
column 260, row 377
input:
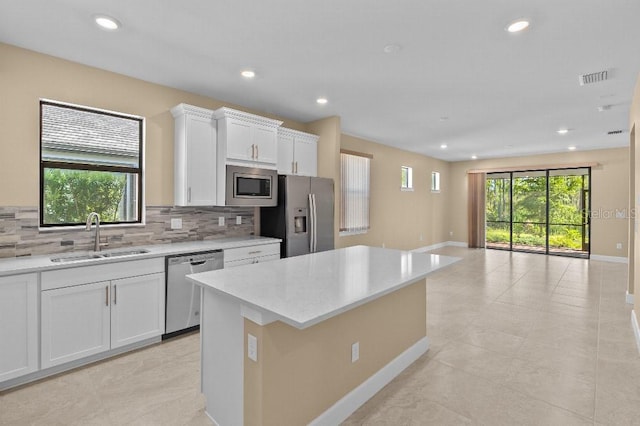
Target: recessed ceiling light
column 248, row 74
column 322, row 101
column 517, row 26
column 107, row 22
column 443, row 146
column 571, row 148
column 562, row 131
column 444, row 118
column 392, row 48
column 474, row 157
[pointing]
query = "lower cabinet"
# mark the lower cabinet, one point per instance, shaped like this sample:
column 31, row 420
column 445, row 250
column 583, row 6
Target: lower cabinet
column 88, row 319
column 18, row 325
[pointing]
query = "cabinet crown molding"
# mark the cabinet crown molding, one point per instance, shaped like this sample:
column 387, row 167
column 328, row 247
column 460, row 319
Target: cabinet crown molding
column 225, row 112
column 182, row 109
column 297, row 134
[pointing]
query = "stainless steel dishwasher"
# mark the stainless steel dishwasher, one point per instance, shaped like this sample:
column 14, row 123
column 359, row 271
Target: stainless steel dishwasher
column 183, row 297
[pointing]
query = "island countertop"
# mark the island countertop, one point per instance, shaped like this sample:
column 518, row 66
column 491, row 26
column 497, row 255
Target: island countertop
column 305, row 290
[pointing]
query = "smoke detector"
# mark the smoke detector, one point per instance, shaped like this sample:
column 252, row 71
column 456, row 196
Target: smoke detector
column 594, row 77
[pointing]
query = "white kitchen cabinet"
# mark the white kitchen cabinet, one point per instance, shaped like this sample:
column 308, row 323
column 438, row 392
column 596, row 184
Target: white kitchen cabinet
column 75, row 322
column 246, row 139
column 137, row 309
column 80, row 318
column 253, row 254
column 194, row 156
column 297, row 153
column 18, row 325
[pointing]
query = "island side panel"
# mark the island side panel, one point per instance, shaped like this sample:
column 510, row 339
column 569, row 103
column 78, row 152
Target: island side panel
column 221, row 334
column 302, row 373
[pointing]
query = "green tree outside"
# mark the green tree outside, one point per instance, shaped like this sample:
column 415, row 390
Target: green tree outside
column 70, row 195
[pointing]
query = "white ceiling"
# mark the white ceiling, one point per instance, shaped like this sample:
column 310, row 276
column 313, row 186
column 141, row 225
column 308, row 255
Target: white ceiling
column 504, row 94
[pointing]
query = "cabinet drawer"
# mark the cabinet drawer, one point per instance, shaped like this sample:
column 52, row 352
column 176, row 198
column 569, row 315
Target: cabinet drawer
column 104, row 272
column 250, row 260
column 235, row 254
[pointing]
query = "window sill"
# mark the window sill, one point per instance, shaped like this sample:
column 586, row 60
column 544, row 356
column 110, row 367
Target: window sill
column 83, row 227
column 406, row 189
column 349, row 233
column 435, row 191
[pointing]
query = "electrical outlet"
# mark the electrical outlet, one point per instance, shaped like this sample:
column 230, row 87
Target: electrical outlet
column 421, row 237
column 238, row 220
column 382, row 245
column 355, row 352
column 451, row 233
column 221, row 221
column 176, row 223
column 252, row 347
column 619, row 246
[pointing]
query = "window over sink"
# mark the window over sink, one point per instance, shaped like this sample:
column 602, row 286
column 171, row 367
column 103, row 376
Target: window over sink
column 90, row 161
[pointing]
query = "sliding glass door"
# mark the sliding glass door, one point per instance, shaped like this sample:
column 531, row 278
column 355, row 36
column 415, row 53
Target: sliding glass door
column 541, row 211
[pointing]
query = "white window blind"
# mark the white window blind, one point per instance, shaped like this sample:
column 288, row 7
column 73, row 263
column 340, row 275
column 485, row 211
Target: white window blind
column 354, row 210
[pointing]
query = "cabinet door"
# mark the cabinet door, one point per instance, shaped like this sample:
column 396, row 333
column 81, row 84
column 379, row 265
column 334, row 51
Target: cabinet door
column 201, row 161
column 74, row 323
column 18, row 325
column 266, row 142
column 137, row 309
column 285, row 155
column 306, row 157
column 239, row 140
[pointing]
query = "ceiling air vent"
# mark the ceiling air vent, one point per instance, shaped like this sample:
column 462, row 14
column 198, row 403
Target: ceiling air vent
column 615, row 132
column 594, row 77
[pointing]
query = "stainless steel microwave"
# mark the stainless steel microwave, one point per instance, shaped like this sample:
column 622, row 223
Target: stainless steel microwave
column 247, row 186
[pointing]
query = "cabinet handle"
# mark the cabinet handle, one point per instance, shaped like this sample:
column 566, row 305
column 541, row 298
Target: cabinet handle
column 296, row 167
column 115, row 294
column 106, row 296
column 257, row 152
column 189, row 194
column 255, row 252
column 293, row 167
column 253, row 151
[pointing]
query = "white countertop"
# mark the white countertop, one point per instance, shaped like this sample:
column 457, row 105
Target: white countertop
column 22, row 265
column 305, row 290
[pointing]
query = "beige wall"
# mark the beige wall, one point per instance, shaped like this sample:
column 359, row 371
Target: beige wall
column 27, row 76
column 610, row 187
column 282, row 387
column 402, row 219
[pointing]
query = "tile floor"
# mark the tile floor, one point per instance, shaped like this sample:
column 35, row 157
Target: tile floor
column 516, row 339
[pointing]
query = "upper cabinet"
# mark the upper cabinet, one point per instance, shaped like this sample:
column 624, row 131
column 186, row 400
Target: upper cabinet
column 297, row 153
column 246, row 139
column 195, row 156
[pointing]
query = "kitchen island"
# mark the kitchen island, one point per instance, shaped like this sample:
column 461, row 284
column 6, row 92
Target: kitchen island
column 309, row 339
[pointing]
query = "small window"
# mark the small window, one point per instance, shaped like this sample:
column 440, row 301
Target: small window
column 435, row 181
column 354, row 206
column 90, row 161
column 406, row 183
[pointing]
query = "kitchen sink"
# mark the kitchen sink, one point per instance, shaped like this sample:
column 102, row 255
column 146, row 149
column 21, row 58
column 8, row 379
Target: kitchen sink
column 124, row 253
column 76, row 258
column 94, row 256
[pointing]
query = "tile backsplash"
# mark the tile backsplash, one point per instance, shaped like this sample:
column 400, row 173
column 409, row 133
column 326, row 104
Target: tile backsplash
column 20, row 236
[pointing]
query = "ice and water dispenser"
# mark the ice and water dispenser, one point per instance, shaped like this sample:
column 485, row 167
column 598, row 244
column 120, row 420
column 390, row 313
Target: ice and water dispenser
column 300, row 221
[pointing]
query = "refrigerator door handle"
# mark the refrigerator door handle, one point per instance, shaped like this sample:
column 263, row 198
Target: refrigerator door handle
column 312, row 216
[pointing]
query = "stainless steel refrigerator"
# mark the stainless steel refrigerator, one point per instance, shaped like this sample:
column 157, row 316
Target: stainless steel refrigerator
column 303, row 218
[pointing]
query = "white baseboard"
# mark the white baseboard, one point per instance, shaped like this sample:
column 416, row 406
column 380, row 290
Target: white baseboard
column 629, row 298
column 440, row 245
column 636, row 329
column 614, row 259
column 342, row 409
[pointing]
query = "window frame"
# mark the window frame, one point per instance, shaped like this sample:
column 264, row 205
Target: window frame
column 409, row 186
column 344, row 232
column 47, row 164
column 435, row 181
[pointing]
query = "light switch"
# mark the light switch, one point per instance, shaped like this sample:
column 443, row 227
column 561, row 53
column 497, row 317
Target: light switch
column 252, row 347
column 176, row 223
column 355, row 352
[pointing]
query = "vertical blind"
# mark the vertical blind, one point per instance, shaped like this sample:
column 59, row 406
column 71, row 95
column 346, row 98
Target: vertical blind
column 354, row 206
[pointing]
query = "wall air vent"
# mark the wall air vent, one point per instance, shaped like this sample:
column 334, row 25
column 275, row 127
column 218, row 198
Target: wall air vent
column 615, row 132
column 594, row 77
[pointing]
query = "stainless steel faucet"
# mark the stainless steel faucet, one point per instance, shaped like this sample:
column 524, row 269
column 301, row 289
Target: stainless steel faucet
column 96, row 244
